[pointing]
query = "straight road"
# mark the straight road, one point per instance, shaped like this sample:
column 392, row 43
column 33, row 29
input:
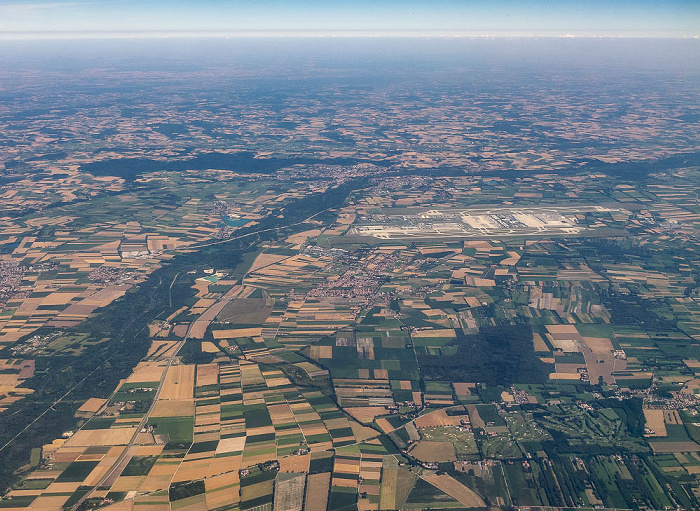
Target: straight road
column 142, row 424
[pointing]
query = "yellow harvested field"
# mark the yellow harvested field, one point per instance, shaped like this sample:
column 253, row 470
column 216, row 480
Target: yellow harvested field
column 207, row 374
column 349, row 218
column 163, row 469
column 104, row 437
column 90, row 457
column 63, row 487
column 237, row 333
column 512, row 260
column 301, row 237
column 202, row 287
column 59, row 298
column 208, row 420
column 295, row 463
column 222, row 481
column 265, row 260
column 92, row 405
column 466, row 496
column 437, row 418
column 105, row 296
column 347, row 483
column 208, row 409
column 338, row 423
column 317, row 492
column 462, row 389
column 194, row 469
column 277, row 382
column 173, row 408
column 322, row 446
column 562, row 329
column 179, row 383
column 429, row 334
column 235, row 444
column 566, row 345
column 149, row 450
column 473, row 301
column 381, row 374
column 216, row 499
column 50, row 502
column 209, row 347
column 198, row 329
column 146, row 372
column 564, row 376
column 127, row 483
column 385, row 425
column 540, row 345
column 362, row 433
column 12, row 394
column 599, row 345
column 124, row 505
column 220, row 492
column 280, row 413
column 655, row 422
column 204, row 303
column 264, row 430
column 365, row 414
column 160, row 347
column 346, row 466
column 312, row 429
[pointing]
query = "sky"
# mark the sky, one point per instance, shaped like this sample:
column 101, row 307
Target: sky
column 559, row 18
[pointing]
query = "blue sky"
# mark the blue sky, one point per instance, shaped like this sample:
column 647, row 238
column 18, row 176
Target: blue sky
column 627, row 18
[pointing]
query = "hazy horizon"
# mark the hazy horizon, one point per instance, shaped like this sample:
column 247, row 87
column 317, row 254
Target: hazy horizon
column 504, row 18
column 576, row 54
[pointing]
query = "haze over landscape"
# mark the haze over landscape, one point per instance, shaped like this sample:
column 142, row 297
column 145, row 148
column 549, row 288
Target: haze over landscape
column 358, row 255
column 627, row 18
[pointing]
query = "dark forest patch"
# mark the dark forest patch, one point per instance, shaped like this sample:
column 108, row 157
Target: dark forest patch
column 499, row 355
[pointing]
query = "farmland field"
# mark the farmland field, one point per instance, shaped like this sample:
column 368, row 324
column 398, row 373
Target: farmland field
column 317, row 277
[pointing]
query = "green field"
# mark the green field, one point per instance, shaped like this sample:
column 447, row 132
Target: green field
column 463, row 441
column 178, row 429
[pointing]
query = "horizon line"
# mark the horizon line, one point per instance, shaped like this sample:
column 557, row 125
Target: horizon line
column 301, row 34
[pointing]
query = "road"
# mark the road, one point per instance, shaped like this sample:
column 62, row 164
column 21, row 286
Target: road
column 142, row 424
column 70, row 390
column 240, row 237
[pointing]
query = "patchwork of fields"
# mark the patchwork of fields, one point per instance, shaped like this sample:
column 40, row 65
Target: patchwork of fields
column 331, row 370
